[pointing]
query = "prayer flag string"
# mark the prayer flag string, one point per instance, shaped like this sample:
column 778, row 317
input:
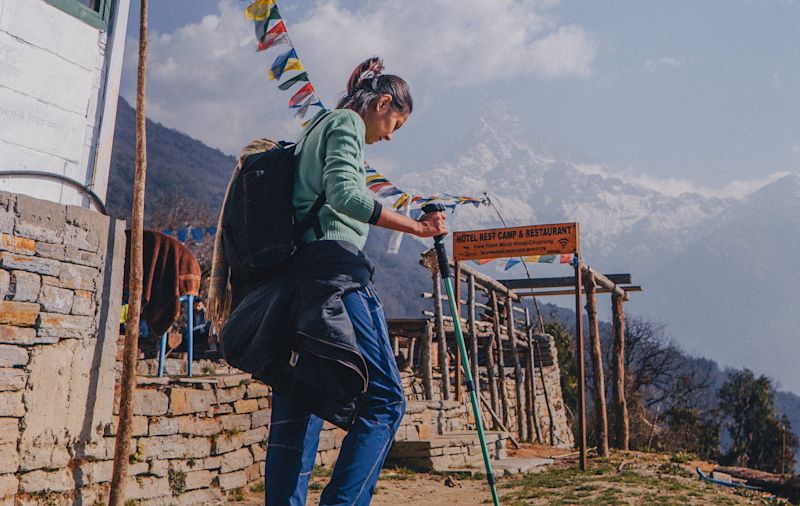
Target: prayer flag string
column 271, row 31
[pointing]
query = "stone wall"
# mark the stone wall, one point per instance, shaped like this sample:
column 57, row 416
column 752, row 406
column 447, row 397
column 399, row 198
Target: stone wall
column 60, row 291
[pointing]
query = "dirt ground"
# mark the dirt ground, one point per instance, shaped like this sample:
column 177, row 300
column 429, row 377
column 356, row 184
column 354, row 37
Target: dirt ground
column 623, row 478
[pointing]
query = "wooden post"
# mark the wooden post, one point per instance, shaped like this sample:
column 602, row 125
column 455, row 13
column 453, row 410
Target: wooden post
column 517, row 368
column 473, row 331
column 425, row 359
column 488, row 347
column 457, row 290
column 501, row 370
column 444, row 365
column 122, row 448
column 600, row 413
column 530, row 374
column 581, row 366
column 620, row 404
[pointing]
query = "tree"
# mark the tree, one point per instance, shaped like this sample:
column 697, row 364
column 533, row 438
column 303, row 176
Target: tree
column 690, row 430
column 756, row 432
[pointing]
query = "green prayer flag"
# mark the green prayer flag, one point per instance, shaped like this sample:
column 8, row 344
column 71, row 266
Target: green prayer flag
column 303, row 76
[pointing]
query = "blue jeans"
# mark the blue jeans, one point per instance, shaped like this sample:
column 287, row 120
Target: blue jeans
column 294, row 434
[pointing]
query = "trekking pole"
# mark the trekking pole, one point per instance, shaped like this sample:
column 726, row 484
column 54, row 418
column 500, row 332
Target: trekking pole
column 447, row 277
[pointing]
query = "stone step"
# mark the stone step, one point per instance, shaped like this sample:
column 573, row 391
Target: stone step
column 508, row 465
column 446, row 451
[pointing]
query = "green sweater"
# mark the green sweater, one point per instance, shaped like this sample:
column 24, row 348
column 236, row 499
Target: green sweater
column 331, row 158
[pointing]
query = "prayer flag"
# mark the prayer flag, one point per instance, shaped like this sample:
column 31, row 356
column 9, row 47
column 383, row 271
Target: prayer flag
column 259, row 9
column 276, row 35
column 279, row 66
column 302, row 94
column 301, row 77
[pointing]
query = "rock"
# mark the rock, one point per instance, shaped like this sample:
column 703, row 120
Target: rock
column 56, row 300
column 17, row 335
column 149, row 402
column 26, row 286
column 164, row 425
column 19, row 245
column 12, row 355
column 54, row 481
column 245, row 405
column 199, row 479
column 236, row 460
column 12, row 379
column 11, row 404
column 39, row 265
column 83, row 303
column 78, row 277
column 22, row 314
column 233, row 480
column 189, row 400
column 174, row 447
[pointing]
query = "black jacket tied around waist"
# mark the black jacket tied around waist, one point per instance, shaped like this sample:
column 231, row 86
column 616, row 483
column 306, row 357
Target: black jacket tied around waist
column 294, row 333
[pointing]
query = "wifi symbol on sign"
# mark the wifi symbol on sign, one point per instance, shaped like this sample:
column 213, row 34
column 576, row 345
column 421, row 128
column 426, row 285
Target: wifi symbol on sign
column 563, row 242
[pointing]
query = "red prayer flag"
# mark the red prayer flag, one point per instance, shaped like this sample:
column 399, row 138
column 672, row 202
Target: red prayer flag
column 274, row 35
column 302, row 93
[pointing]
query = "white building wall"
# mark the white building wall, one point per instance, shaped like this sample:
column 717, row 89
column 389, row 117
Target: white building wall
column 59, row 83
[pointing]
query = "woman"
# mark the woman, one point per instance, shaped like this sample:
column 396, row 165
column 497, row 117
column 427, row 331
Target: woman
column 331, row 160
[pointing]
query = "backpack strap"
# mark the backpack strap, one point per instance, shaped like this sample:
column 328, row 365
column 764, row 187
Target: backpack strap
column 311, row 220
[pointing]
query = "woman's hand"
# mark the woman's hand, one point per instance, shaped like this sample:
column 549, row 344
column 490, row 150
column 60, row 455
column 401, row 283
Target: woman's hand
column 431, row 225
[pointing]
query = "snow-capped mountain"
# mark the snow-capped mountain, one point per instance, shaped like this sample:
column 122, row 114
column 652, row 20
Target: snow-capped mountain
column 717, row 271
column 623, row 223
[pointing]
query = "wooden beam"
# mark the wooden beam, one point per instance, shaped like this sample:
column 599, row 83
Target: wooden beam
column 515, row 284
column 486, row 281
column 548, row 293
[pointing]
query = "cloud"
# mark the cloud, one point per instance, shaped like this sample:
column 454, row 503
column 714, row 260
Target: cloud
column 666, row 61
column 206, row 79
column 736, row 189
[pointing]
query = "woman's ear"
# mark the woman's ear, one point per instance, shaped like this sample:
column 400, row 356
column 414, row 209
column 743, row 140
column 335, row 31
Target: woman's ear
column 383, row 103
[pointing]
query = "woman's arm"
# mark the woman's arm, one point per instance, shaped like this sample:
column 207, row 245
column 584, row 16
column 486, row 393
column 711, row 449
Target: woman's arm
column 429, row 225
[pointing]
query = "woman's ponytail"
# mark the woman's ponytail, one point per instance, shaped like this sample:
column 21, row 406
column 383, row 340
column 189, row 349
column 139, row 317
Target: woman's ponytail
column 367, row 84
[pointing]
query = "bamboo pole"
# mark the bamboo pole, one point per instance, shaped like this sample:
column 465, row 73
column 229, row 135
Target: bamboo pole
column 620, row 404
column 530, row 374
column 600, row 413
column 517, row 368
column 501, row 370
column 122, row 448
column 444, row 365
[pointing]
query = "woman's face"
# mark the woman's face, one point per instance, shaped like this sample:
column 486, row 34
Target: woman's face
column 382, row 120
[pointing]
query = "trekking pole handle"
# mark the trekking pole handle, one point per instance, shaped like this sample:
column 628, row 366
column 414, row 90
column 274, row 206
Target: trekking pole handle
column 438, row 242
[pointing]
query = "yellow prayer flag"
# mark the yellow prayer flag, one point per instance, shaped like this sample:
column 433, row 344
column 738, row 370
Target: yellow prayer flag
column 259, row 10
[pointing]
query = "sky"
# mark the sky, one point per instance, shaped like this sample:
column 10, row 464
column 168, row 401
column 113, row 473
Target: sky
column 687, row 93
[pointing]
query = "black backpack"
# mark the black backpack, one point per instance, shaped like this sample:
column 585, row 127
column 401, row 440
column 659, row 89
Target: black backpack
column 259, row 229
